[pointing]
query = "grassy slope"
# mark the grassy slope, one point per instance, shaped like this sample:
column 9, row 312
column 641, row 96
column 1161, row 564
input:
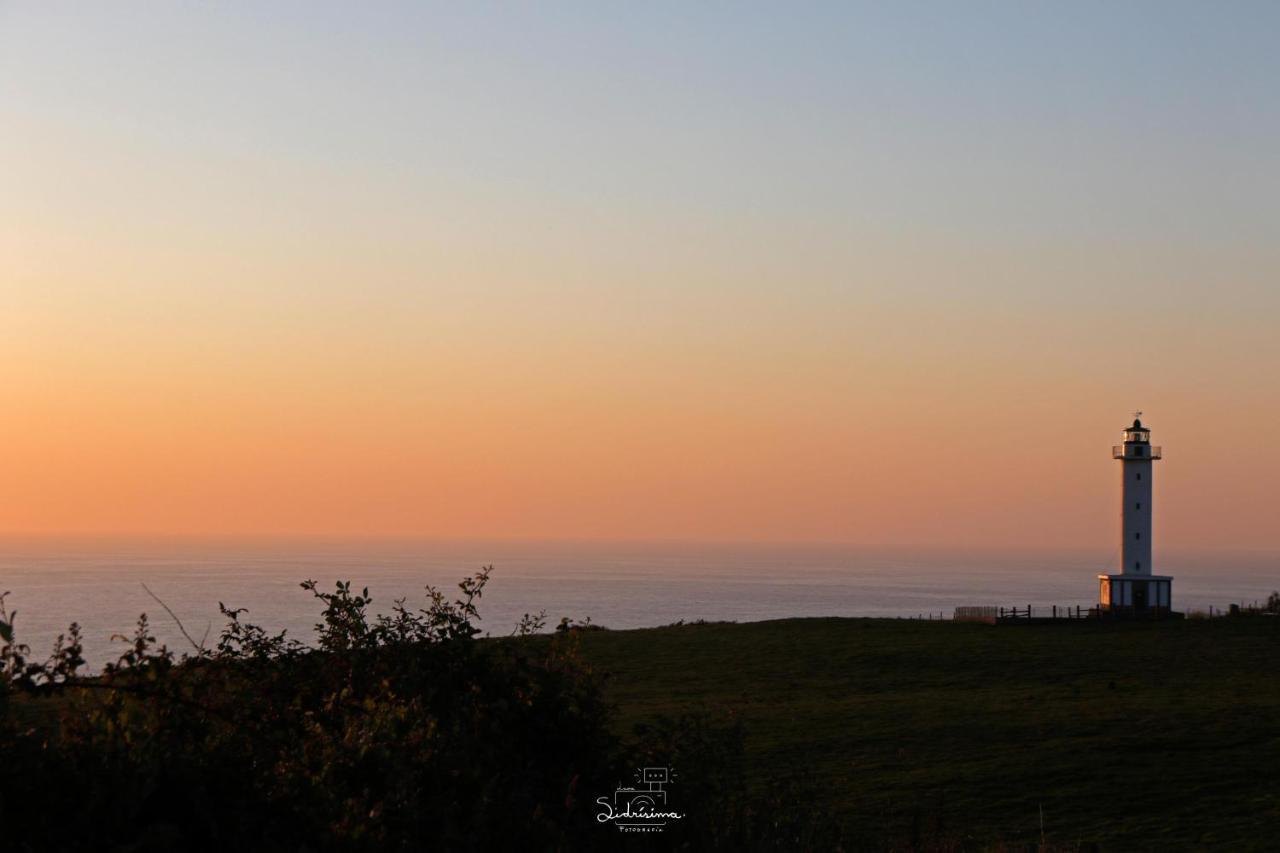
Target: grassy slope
column 1132, row 735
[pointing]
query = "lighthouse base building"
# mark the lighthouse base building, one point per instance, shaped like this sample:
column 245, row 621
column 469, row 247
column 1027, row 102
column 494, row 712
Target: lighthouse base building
column 1128, row 594
column 1134, row 589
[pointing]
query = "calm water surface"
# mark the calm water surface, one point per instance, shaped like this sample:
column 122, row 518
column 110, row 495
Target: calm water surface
column 100, row 583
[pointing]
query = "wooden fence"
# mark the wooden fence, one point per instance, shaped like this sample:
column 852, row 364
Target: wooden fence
column 1008, row 614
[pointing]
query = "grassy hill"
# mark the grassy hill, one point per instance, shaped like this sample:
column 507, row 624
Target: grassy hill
column 1126, row 735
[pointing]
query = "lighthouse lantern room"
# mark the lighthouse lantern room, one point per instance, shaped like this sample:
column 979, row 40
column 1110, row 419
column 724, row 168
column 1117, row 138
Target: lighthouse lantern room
column 1134, row 589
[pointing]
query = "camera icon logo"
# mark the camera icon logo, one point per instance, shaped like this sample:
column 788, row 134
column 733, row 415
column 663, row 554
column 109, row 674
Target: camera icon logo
column 643, row 807
column 647, row 798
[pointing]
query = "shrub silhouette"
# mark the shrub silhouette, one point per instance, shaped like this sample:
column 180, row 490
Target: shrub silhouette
column 394, row 732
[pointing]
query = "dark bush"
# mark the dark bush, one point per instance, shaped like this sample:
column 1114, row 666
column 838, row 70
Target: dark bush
column 395, row 732
column 399, row 732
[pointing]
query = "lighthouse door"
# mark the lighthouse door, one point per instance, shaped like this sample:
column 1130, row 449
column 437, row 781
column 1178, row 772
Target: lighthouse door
column 1139, row 596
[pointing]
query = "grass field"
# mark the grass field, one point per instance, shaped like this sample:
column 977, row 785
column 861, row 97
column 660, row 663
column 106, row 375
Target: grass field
column 1127, row 735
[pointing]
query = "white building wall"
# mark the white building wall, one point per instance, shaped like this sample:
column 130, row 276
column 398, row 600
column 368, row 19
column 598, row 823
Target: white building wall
column 1135, row 517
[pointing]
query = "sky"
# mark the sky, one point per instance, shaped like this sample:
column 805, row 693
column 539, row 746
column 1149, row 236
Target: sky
column 867, row 273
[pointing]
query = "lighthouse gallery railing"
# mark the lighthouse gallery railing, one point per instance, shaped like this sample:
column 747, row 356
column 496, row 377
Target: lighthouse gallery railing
column 1135, row 451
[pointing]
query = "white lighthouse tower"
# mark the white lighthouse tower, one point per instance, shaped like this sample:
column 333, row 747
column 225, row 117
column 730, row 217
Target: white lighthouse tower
column 1134, row 589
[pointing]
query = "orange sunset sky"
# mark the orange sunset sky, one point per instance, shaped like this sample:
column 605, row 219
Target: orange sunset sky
column 855, row 274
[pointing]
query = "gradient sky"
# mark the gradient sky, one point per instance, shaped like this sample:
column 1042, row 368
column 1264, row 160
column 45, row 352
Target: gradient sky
column 882, row 273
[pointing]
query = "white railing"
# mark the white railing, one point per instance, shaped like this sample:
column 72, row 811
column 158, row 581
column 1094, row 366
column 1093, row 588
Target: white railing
column 1136, row 451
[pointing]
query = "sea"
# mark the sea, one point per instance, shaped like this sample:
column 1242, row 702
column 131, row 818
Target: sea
column 105, row 584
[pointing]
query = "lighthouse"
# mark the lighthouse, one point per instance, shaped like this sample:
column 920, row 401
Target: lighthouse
column 1134, row 589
